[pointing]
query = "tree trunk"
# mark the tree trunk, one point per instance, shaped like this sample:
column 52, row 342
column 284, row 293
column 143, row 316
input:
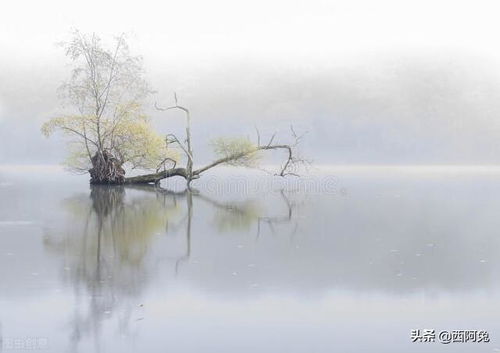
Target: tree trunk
column 195, row 174
column 156, row 177
column 106, row 169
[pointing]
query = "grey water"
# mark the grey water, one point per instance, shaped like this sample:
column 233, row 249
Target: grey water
column 347, row 259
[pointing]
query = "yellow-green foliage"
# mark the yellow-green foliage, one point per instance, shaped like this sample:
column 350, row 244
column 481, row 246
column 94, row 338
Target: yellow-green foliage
column 128, row 135
column 244, row 151
column 122, row 228
column 77, row 159
column 138, row 144
column 106, row 88
column 238, row 217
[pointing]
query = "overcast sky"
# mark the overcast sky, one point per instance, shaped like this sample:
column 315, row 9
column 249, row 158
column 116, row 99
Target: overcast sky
column 372, row 81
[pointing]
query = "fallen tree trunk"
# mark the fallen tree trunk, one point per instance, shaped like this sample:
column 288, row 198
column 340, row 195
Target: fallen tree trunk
column 155, row 178
column 231, row 152
column 239, row 155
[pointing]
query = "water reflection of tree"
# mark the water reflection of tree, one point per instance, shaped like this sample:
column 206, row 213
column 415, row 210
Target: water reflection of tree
column 228, row 216
column 106, row 240
column 104, row 250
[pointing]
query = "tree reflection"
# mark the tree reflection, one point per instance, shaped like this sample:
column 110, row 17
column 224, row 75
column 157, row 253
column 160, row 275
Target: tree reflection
column 104, row 250
column 228, row 216
column 107, row 238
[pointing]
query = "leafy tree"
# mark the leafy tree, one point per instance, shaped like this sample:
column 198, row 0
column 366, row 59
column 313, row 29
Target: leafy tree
column 106, row 127
column 108, row 130
column 230, row 151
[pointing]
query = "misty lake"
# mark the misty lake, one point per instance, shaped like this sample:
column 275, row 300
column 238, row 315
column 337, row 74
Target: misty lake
column 349, row 259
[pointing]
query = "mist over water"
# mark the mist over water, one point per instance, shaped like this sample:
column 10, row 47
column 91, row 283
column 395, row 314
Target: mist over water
column 386, row 109
column 393, row 228
column 118, row 269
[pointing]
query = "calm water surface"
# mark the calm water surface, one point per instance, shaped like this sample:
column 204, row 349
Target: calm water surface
column 347, row 260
